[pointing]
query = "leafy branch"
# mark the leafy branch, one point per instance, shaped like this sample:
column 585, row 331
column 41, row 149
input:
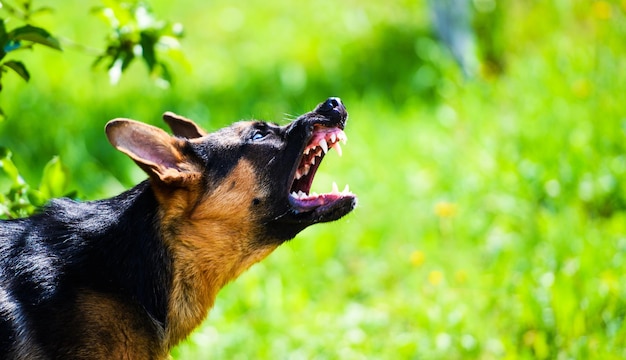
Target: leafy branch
column 21, row 38
column 22, row 199
column 137, row 33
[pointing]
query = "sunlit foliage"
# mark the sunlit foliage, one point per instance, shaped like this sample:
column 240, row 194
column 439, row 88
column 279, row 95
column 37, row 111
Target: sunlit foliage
column 492, row 213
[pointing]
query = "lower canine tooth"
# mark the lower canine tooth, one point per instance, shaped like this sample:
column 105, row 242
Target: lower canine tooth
column 346, row 189
column 335, row 188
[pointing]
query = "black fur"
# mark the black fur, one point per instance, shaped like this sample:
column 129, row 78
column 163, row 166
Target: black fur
column 110, row 246
column 103, row 272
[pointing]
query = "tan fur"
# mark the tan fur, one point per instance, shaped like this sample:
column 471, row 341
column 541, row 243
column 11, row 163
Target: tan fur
column 112, row 329
column 211, row 243
column 223, row 205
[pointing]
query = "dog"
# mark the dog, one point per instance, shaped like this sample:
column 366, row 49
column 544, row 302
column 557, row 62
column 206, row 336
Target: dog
column 131, row 276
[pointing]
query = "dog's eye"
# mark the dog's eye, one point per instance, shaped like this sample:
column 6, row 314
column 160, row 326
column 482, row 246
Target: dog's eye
column 257, row 135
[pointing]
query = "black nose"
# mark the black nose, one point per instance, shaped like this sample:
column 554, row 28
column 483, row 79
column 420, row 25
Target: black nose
column 334, row 110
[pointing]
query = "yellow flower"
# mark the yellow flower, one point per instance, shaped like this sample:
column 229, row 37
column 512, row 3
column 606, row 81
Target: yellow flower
column 581, row 88
column 601, row 10
column 445, row 209
column 435, row 277
column 417, row 258
column 460, row 276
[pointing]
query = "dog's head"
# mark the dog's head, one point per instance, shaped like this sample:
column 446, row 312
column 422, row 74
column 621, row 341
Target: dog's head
column 228, row 198
column 253, row 171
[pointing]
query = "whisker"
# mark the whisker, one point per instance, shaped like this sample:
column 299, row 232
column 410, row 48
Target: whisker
column 277, row 217
column 289, row 117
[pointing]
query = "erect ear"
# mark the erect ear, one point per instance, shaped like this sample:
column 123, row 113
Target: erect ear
column 183, row 127
column 154, row 150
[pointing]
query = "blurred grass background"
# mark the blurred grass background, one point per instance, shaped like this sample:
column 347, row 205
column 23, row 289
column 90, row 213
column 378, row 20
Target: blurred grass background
column 492, row 208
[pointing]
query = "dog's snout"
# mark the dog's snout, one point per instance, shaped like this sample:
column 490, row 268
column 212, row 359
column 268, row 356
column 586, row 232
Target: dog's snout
column 334, row 110
column 331, row 103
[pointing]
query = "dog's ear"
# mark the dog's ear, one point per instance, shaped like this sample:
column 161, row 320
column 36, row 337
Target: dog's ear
column 154, row 150
column 183, row 127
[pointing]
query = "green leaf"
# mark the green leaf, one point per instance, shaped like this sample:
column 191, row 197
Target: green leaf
column 19, row 68
column 36, row 198
column 9, row 168
column 163, row 73
column 3, row 33
column 43, row 10
column 3, row 39
column 148, row 43
column 54, row 180
column 34, row 34
column 177, row 55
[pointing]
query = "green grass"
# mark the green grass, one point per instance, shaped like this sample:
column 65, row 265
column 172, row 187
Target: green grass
column 492, row 211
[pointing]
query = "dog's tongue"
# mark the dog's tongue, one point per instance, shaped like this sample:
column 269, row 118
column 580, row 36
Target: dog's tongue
column 306, row 202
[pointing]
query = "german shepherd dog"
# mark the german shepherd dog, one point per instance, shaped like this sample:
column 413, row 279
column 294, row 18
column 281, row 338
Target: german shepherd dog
column 131, row 276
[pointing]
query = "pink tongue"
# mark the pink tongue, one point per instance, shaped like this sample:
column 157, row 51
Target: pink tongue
column 315, row 201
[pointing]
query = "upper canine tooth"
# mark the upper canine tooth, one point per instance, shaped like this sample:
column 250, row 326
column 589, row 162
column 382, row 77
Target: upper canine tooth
column 343, row 137
column 337, row 148
column 324, row 145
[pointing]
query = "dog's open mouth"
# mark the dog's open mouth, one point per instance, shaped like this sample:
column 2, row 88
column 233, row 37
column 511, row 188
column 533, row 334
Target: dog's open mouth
column 322, row 140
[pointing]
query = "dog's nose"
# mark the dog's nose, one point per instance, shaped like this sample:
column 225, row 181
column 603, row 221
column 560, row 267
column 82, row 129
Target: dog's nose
column 334, row 110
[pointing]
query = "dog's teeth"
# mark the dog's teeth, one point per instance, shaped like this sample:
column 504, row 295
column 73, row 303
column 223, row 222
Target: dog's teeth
column 313, row 160
column 306, row 169
column 333, row 137
column 307, row 151
column 314, row 194
column 324, row 145
column 335, row 188
column 343, row 137
column 337, row 148
column 301, row 194
column 346, row 189
column 298, row 174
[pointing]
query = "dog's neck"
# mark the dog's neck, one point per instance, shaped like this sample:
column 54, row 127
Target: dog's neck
column 211, row 242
